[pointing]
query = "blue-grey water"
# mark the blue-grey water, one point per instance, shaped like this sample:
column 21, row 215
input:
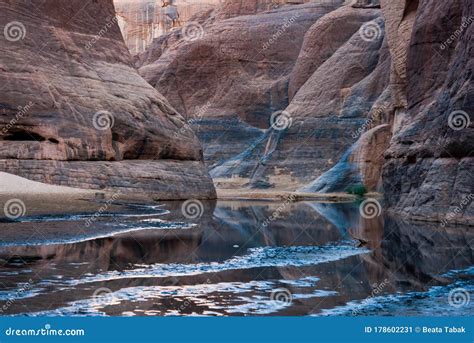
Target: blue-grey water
column 230, row 258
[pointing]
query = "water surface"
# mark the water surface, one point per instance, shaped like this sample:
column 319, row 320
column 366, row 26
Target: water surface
column 232, row 258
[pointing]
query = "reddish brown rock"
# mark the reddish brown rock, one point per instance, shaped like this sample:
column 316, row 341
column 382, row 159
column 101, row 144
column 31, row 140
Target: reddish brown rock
column 326, row 112
column 428, row 106
column 399, row 18
column 324, row 38
column 239, row 67
column 233, row 8
column 368, row 156
column 409, row 63
column 236, row 75
column 84, row 104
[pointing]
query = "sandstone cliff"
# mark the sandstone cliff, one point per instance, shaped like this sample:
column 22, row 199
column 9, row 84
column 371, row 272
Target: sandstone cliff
column 429, row 164
column 246, row 68
column 425, row 169
column 323, row 95
column 73, row 110
column 234, row 75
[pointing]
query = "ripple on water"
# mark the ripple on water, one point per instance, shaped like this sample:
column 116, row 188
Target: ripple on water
column 434, row 302
column 255, row 258
column 107, row 230
column 254, row 298
column 148, row 211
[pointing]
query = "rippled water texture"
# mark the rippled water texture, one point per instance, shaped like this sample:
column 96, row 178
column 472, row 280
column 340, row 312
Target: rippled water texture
column 237, row 258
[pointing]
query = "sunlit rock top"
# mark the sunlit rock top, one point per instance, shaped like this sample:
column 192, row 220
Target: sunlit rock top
column 143, row 20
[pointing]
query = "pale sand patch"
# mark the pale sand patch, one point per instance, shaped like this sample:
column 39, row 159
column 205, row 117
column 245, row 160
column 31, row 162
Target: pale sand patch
column 12, row 184
column 282, row 195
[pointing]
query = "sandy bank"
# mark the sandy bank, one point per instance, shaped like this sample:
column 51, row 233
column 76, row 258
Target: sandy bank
column 16, row 185
column 272, row 195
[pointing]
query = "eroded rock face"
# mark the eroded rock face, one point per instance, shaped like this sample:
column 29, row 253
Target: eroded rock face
column 71, row 100
column 248, row 66
column 238, row 68
column 366, row 3
column 235, row 76
column 366, row 96
column 425, row 171
column 232, row 8
column 323, row 39
column 333, row 96
column 428, row 170
column 361, row 164
column 399, row 17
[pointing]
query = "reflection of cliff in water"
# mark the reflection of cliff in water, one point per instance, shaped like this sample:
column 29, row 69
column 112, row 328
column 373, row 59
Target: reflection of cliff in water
column 424, row 250
column 232, row 258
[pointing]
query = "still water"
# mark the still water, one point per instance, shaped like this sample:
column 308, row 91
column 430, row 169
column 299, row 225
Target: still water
column 230, row 258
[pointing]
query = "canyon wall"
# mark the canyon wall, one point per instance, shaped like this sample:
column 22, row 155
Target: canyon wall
column 327, row 94
column 74, row 111
column 233, row 82
column 428, row 166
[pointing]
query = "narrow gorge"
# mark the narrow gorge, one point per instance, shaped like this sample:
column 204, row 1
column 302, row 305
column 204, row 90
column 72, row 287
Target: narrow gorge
column 320, row 95
column 237, row 158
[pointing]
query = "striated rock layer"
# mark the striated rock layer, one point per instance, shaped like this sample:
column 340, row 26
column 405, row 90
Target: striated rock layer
column 324, row 95
column 429, row 164
column 73, row 110
column 233, row 81
column 425, row 169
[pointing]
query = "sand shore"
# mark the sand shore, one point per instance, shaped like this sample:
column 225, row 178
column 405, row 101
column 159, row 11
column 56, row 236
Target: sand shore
column 16, row 185
column 281, row 195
